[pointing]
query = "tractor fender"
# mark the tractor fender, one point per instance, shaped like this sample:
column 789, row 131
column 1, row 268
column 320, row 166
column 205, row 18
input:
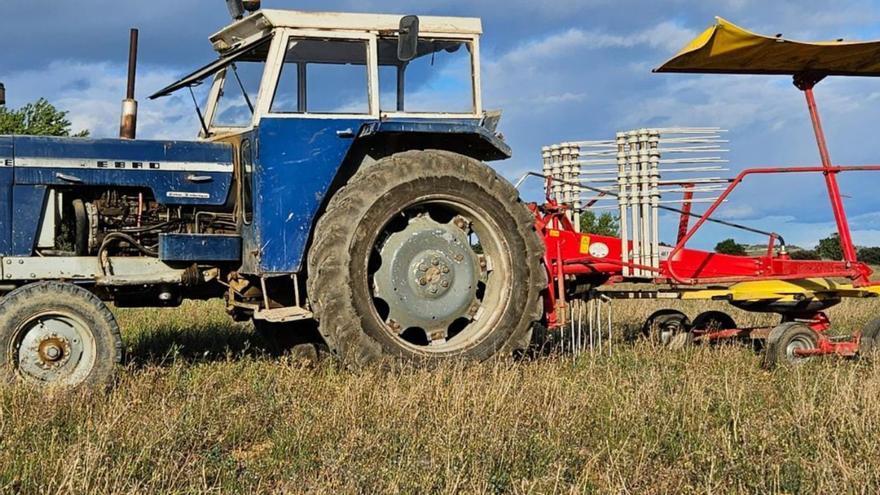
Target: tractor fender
column 466, row 137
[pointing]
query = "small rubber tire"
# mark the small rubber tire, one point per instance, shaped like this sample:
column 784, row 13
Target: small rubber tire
column 338, row 285
column 784, row 340
column 870, row 341
column 664, row 325
column 24, row 305
column 713, row 321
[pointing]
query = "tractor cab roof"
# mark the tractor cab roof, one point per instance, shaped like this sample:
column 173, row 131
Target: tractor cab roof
column 263, row 21
column 256, row 31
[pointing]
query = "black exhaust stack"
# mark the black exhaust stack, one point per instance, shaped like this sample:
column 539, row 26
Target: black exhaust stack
column 128, row 127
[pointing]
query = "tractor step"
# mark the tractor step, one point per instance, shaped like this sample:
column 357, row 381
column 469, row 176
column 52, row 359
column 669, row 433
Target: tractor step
column 284, row 315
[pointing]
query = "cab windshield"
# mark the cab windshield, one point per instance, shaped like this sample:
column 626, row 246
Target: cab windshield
column 240, row 88
column 439, row 80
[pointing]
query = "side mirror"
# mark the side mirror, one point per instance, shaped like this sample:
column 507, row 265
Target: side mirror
column 408, row 43
column 236, row 9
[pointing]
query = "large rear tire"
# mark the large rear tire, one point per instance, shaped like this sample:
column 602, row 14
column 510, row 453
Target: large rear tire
column 426, row 256
column 58, row 335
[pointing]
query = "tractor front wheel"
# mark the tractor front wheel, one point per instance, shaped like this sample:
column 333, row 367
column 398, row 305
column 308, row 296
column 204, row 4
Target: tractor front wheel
column 58, row 335
column 426, row 256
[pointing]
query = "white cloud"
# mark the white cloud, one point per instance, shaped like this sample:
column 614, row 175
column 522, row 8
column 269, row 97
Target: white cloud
column 93, row 92
column 571, row 43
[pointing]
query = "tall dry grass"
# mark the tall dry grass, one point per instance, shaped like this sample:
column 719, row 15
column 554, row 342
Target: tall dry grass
column 200, row 409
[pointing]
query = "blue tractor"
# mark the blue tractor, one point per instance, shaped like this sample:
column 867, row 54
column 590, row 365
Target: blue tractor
column 338, row 178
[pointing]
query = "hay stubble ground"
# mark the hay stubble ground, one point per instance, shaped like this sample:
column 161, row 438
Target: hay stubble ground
column 199, row 408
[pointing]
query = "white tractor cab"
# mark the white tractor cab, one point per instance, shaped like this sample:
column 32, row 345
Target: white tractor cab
column 292, row 64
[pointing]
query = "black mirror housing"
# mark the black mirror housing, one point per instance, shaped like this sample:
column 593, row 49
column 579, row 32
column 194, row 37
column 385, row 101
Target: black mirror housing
column 236, row 9
column 408, row 43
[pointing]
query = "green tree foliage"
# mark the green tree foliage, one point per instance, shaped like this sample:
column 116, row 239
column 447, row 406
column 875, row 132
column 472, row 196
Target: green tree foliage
column 730, row 246
column 40, row 118
column 805, row 255
column 605, row 224
column 870, row 255
column 829, row 248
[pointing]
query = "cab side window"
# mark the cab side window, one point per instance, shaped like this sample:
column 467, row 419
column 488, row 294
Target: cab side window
column 323, row 76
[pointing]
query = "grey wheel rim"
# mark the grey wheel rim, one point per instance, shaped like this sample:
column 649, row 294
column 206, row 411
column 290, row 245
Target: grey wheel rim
column 435, row 290
column 800, row 342
column 54, row 348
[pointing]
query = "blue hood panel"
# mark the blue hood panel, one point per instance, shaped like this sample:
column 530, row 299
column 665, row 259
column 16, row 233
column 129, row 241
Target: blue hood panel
column 178, row 172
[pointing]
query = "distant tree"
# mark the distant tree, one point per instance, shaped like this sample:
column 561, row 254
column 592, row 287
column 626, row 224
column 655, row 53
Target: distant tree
column 605, row 224
column 730, row 246
column 870, row 255
column 805, row 255
column 40, row 118
column 829, row 248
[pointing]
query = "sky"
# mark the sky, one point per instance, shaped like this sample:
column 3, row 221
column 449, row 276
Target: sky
column 563, row 70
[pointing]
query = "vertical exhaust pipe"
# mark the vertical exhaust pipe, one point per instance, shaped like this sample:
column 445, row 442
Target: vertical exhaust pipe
column 128, row 127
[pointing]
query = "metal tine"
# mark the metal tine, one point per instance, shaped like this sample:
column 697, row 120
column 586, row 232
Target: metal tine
column 580, row 328
column 676, row 161
column 592, row 144
column 598, row 172
column 596, row 163
column 604, row 207
column 589, row 316
column 691, row 201
column 600, row 180
column 610, row 326
column 693, row 169
column 707, row 180
column 688, row 130
column 692, row 190
column 691, row 146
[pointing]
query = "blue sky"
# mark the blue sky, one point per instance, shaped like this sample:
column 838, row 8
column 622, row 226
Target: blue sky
column 561, row 70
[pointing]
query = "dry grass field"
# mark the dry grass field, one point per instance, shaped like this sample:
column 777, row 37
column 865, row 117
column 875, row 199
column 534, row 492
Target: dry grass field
column 199, row 408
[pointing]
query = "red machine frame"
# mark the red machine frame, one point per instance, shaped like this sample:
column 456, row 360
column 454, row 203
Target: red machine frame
column 568, row 255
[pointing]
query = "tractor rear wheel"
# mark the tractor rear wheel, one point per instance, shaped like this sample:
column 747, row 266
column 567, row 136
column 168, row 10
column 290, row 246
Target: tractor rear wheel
column 426, row 256
column 58, row 335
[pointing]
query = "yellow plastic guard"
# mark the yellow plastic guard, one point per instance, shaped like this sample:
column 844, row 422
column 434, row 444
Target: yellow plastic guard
column 784, row 290
column 726, row 48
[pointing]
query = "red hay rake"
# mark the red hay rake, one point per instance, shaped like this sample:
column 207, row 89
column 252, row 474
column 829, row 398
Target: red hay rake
column 584, row 266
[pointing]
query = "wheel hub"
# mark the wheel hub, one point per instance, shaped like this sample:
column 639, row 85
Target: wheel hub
column 54, row 348
column 428, row 277
column 797, row 344
column 53, row 351
column 433, row 275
